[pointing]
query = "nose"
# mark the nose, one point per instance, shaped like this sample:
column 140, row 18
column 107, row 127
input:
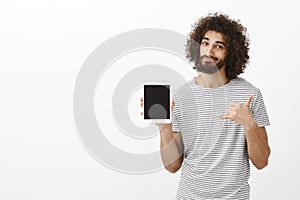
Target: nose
column 209, row 50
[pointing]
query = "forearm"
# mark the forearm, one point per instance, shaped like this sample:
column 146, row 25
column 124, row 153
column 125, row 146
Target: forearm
column 258, row 148
column 171, row 152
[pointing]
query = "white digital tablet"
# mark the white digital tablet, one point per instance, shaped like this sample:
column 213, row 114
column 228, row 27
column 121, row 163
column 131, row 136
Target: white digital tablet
column 157, row 102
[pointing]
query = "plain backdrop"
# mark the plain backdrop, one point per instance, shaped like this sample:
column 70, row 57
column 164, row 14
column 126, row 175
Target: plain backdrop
column 42, row 47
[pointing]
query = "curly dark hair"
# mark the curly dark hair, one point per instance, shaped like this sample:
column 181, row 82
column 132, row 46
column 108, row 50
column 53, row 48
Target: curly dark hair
column 237, row 43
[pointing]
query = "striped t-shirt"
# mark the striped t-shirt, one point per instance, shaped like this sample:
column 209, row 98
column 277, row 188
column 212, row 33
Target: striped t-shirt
column 216, row 163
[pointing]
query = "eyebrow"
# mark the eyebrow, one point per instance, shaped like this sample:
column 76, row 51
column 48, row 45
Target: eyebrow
column 219, row 42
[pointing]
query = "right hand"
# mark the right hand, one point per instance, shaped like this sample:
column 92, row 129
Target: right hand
column 160, row 125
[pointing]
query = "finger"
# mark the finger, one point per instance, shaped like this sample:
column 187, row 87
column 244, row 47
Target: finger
column 220, row 116
column 233, row 108
column 230, row 112
column 249, row 100
column 141, row 99
column 172, row 104
column 234, row 104
column 225, row 116
column 142, row 113
column 142, row 104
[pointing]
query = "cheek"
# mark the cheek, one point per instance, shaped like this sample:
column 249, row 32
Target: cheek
column 201, row 52
column 221, row 55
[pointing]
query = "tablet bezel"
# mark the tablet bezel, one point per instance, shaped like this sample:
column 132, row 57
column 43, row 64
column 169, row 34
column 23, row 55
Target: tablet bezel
column 161, row 121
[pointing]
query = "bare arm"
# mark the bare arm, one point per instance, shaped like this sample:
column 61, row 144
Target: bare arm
column 257, row 139
column 171, row 148
column 171, row 145
column 258, row 147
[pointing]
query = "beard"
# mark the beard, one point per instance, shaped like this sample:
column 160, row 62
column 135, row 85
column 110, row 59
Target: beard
column 209, row 67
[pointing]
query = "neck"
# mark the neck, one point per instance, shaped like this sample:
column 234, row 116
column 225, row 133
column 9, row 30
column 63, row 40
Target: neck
column 212, row 80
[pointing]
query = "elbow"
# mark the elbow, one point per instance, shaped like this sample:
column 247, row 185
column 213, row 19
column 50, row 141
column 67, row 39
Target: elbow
column 261, row 165
column 173, row 168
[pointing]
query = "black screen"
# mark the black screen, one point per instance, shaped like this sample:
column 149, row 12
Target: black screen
column 157, row 101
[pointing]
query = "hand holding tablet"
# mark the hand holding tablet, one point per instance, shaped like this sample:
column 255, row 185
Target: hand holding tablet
column 157, row 103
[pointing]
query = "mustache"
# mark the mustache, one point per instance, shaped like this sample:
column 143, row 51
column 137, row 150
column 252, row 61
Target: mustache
column 214, row 58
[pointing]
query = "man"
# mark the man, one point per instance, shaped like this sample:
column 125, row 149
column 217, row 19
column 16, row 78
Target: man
column 219, row 119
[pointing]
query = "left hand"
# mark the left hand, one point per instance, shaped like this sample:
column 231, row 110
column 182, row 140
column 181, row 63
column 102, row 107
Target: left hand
column 240, row 113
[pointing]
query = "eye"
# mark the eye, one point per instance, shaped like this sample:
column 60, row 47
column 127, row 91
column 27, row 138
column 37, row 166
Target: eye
column 220, row 47
column 204, row 43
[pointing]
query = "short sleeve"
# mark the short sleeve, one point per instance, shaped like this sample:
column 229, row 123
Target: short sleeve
column 259, row 110
column 176, row 123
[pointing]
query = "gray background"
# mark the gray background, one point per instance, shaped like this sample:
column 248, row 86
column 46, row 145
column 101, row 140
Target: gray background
column 43, row 45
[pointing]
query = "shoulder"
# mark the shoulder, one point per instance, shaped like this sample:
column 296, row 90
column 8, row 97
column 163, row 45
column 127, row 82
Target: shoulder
column 240, row 83
column 186, row 89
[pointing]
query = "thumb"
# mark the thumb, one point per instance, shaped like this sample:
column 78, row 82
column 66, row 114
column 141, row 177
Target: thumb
column 249, row 101
column 172, row 104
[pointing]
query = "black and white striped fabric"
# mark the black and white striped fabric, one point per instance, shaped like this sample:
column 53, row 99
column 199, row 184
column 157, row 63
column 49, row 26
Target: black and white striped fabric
column 216, row 163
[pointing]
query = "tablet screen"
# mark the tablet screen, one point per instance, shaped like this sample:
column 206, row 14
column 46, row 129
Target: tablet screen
column 156, row 101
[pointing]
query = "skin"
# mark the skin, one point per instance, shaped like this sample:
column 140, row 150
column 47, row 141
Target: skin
column 171, row 145
column 213, row 48
column 256, row 137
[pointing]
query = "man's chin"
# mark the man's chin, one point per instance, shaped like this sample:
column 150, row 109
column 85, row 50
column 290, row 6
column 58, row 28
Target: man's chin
column 208, row 69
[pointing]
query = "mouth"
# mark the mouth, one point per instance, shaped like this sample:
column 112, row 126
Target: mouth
column 209, row 59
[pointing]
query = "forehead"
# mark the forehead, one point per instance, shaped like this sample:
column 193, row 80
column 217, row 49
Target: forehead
column 214, row 36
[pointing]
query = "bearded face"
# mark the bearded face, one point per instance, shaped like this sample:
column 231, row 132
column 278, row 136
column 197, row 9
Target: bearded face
column 210, row 64
column 212, row 53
